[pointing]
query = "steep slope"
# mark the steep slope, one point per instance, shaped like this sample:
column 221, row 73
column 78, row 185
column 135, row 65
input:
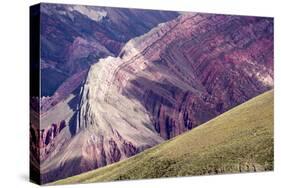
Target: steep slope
column 74, row 37
column 240, row 140
column 191, row 69
column 177, row 76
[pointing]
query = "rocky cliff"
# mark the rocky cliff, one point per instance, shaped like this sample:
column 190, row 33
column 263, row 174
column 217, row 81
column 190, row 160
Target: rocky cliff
column 175, row 77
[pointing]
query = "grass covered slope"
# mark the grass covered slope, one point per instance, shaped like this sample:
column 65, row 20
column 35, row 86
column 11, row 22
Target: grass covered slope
column 240, row 140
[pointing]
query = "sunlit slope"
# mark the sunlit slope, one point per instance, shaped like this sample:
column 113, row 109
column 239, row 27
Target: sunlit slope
column 240, row 140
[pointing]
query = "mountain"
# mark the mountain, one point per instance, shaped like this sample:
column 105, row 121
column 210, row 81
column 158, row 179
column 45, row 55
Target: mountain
column 180, row 74
column 239, row 140
column 74, row 37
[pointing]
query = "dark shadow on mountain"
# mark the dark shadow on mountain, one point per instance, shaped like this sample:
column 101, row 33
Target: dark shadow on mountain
column 74, row 102
column 73, row 124
column 74, row 105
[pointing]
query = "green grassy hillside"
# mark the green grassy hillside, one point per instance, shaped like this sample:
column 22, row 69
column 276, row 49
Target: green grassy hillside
column 240, row 140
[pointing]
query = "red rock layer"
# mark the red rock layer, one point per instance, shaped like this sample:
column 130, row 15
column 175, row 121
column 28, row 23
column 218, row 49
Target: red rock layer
column 197, row 67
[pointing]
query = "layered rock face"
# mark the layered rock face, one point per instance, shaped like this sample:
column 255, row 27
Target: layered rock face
column 74, row 37
column 189, row 70
column 175, row 77
column 97, row 140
